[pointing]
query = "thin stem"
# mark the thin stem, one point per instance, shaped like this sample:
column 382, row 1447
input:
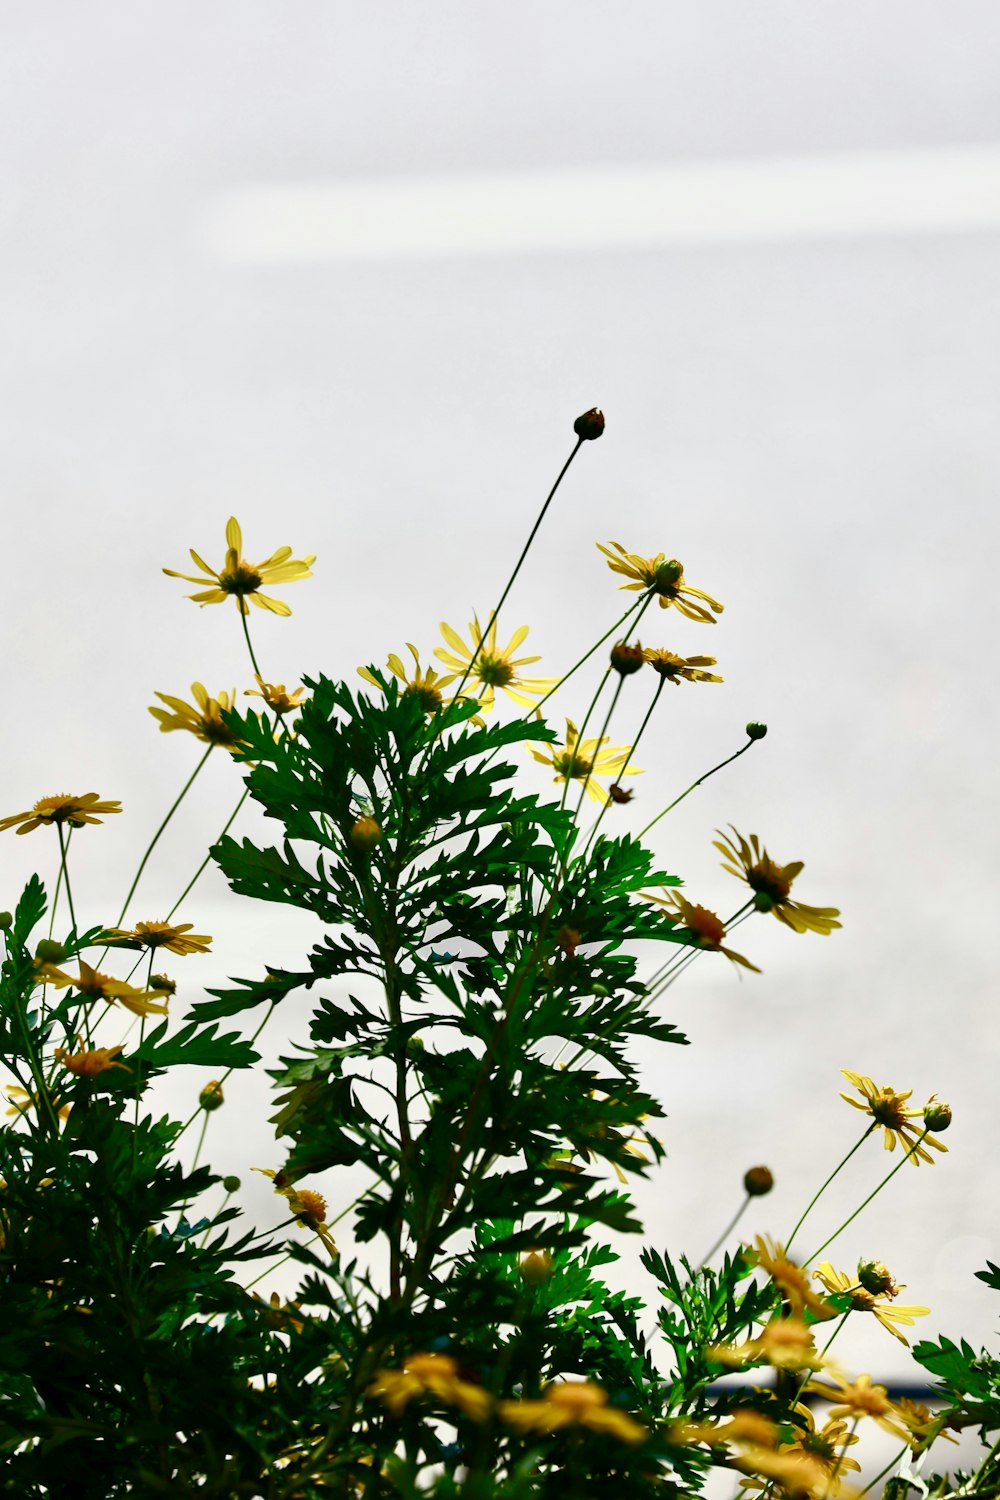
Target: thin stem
column 208, row 856
column 597, row 644
column 737, row 1216
column 871, row 1195
column 244, row 611
column 649, row 714
column 820, row 1191
column 142, row 865
column 65, row 871
column 267, row 1016
column 971, row 1488
column 884, row 1471
column 597, row 748
column 583, row 727
column 670, row 806
column 55, row 898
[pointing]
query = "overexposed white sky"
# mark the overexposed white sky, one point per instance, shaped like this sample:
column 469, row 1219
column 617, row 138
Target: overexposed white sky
column 349, row 274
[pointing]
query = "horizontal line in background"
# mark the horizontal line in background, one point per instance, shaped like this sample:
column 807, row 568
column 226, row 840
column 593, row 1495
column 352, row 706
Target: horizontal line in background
column 944, row 190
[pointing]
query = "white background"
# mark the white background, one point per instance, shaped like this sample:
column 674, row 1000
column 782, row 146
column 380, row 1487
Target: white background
column 801, row 404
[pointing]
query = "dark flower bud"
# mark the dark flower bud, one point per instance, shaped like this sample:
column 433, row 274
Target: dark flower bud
column 163, row 983
column 590, row 425
column 758, row 1181
column 211, row 1096
column 756, row 731
column 627, row 659
column 875, row 1278
column 231, row 1184
column 619, row 793
column 6, row 921
column 50, row 952
column 937, row 1116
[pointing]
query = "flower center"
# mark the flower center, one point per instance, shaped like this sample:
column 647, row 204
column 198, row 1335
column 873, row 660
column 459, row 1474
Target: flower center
column 428, row 697
column 768, row 879
column 571, row 767
column 706, row 926
column 494, row 671
column 666, row 577
column 241, row 580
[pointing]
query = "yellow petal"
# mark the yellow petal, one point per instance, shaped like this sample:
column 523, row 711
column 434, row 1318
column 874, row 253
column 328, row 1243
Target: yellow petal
column 234, row 536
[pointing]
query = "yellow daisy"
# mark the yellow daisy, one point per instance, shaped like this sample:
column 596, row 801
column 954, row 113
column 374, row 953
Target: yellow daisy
column 159, row 935
column 863, row 1399
column 492, row 667
column 826, row 1448
column 241, row 580
column 21, row 1102
column 275, row 697
column 205, row 722
column 792, row 1282
column 666, row 578
column 865, row 1301
column 784, row 1343
column 308, row 1208
column 571, row 1403
column 673, row 668
column 771, row 883
column 585, row 761
column 888, row 1109
column 422, row 683
column 76, row 811
column 430, row 1374
column 703, row 925
column 86, row 1064
column 97, row 986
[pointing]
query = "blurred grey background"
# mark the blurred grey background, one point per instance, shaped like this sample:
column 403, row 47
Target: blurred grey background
column 349, row 273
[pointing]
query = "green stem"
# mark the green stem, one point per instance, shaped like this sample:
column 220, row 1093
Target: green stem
column 642, row 600
column 142, row 865
column 884, row 1471
column 888, row 1178
column 583, row 728
column 65, row 871
column 649, row 713
column 597, row 749
column 671, row 805
column 55, row 898
column 737, row 1216
column 267, row 1016
column 244, row 611
column 205, row 861
column 982, row 1468
column 820, row 1191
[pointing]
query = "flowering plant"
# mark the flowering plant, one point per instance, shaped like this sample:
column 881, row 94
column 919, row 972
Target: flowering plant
column 486, row 1079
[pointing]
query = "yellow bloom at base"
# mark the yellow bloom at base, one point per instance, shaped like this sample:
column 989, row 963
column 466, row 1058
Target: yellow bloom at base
column 572, row 1403
column 585, row 761
column 275, row 696
column 205, row 721
column 865, row 1301
column 97, row 986
column 771, row 883
column 241, row 580
column 422, row 683
column 705, row 927
column 90, row 1064
column 434, row 1375
column 491, row 667
column 665, row 578
column 672, row 668
column 888, row 1109
column 74, row 811
column 863, row 1399
column 159, row 935
column 792, row 1282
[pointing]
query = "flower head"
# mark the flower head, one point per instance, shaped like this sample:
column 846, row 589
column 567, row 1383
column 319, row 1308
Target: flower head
column 241, row 580
column 205, row 722
column 888, row 1109
column 863, row 1300
column 825, row 1449
column 422, row 683
column 792, row 1282
column 102, row 987
column 21, row 1102
column 76, row 811
column 430, row 1374
column 159, row 935
column 89, row 1064
column 785, row 1344
column 585, row 761
column 672, row 668
column 665, row 578
column 771, row 883
column 274, row 695
column 307, row 1207
column 571, row 1403
column 863, row 1399
column 704, row 926
column 489, row 667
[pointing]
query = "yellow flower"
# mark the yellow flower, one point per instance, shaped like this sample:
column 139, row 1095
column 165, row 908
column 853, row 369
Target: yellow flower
column 584, row 762
column 89, row 1064
column 307, row 1207
column 704, row 926
column 826, row 1448
column 925, row 1425
column 785, row 1344
column 422, row 683
column 888, row 1109
column 608, row 1132
column 242, row 580
column 771, row 884
column 792, row 1282
column 572, row 1403
column 865, row 1301
column 102, row 987
column 159, row 935
column 744, row 1426
column 275, row 697
column 492, row 667
column 22, row 1101
column 76, row 811
column 863, row 1399
column 665, row 578
column 430, row 1374
column 204, row 722
column 672, row 668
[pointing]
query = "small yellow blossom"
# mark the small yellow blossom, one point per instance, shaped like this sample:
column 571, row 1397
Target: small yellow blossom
column 279, row 1315
column 307, row 1207
column 22, row 1102
column 572, row 1403
column 275, row 696
column 88, row 1064
column 665, row 578
column 97, row 986
column 672, row 668
column 826, row 1448
column 863, row 1399
column 76, row 811
column 422, row 683
column 241, row 580
column 584, row 762
column 888, row 1109
column 205, row 722
column 771, row 884
column 489, row 668
column 784, row 1343
column 924, row 1425
column 865, row 1301
column 430, row 1374
column 159, row 935
column 705, row 927
column 792, row 1282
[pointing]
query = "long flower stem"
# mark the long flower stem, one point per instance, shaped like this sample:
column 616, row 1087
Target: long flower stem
column 205, row 861
column 737, row 1216
column 634, row 746
column 65, row 872
column 671, row 805
column 246, row 632
column 888, row 1178
column 55, row 898
column 142, row 865
column 820, row 1191
column 600, row 741
column 596, row 646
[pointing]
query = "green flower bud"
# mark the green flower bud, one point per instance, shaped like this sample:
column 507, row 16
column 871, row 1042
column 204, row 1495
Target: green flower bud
column 590, row 425
column 210, row 1097
column 365, row 834
column 756, row 731
column 163, row 983
column 936, row 1116
column 758, row 1181
column 6, row 921
column 50, row 952
column 231, row 1184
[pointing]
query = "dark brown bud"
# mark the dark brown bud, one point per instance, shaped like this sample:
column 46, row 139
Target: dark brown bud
column 626, row 658
column 758, row 1181
column 590, row 425
column 619, row 793
column 756, row 731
